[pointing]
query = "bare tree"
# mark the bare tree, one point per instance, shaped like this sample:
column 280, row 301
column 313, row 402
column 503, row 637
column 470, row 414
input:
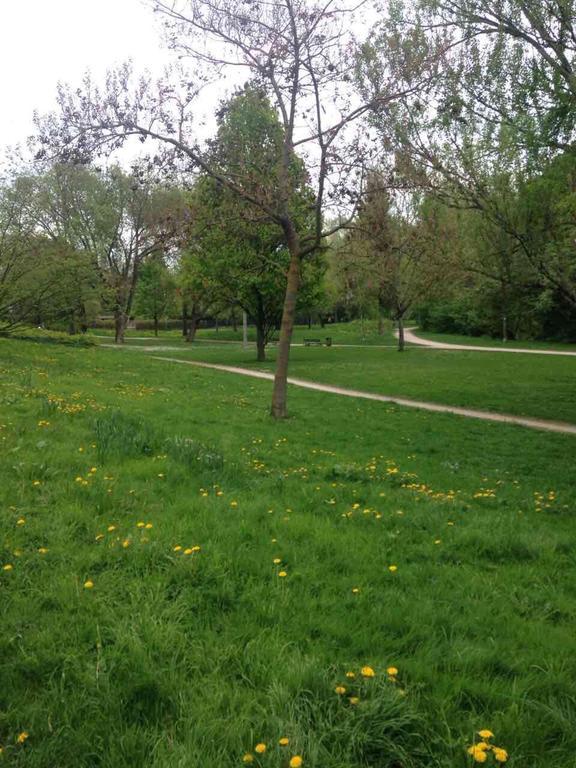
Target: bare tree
column 302, row 54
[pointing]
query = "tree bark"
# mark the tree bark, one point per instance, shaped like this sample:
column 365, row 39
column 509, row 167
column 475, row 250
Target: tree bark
column 184, row 320
column 400, row 333
column 155, row 325
column 120, row 322
column 279, row 392
column 192, row 327
column 234, row 322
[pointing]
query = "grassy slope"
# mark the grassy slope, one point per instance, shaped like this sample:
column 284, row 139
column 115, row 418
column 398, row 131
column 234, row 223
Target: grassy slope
column 175, row 660
column 527, row 385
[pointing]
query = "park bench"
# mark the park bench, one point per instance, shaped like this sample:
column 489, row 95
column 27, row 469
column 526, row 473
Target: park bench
column 318, row 342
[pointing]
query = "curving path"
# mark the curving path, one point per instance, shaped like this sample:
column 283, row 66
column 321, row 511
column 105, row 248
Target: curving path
column 411, row 338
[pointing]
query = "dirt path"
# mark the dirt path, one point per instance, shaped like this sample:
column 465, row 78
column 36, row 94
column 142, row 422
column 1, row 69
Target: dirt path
column 412, row 338
column 542, row 424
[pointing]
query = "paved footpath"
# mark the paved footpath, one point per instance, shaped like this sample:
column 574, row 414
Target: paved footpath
column 411, row 338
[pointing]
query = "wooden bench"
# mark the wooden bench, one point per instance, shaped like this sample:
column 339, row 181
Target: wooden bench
column 318, row 342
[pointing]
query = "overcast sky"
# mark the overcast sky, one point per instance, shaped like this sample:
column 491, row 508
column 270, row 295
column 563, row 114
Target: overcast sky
column 43, row 41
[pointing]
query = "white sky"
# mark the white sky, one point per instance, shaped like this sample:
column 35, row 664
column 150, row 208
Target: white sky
column 43, row 41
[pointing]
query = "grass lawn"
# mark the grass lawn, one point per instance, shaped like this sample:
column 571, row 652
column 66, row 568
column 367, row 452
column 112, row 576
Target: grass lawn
column 149, row 512
column 525, row 385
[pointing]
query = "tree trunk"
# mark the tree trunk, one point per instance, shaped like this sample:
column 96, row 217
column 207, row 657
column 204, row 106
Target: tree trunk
column 279, row 392
column 504, row 328
column 120, row 322
column 155, row 325
column 400, row 333
column 260, row 329
column 192, row 327
column 309, row 322
column 184, row 320
column 234, row 322
column 260, row 343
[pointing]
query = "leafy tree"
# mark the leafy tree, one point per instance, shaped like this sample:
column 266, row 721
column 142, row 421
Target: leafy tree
column 300, row 54
column 156, row 291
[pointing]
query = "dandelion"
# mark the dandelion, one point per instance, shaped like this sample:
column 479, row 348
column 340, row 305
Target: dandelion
column 42, row 550
column 282, row 574
column 196, row 548
column 260, row 748
column 188, row 551
column 295, row 761
column 148, row 526
column 36, row 482
column 485, row 734
column 177, row 548
column 354, row 700
column 21, row 521
column 283, row 741
column 111, row 528
column 340, row 690
column 392, row 671
column 88, row 584
column 392, row 568
column 248, row 758
column 8, row 567
column 479, row 751
column 99, row 536
column 367, row 672
column 277, row 561
column 21, row 738
column 500, row 755
column 126, row 543
column 140, row 524
column 355, row 590
column 350, row 675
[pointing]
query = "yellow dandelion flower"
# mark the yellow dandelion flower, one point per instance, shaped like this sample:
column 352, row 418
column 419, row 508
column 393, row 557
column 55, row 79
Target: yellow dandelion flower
column 196, row 548
column 340, row 690
column 248, row 758
column 126, row 543
column 177, row 548
column 260, row 748
column 354, row 700
column 88, row 584
column 99, row 536
column 111, row 528
column 478, row 752
column 188, row 551
column 283, row 741
column 367, row 672
column 21, row 521
column 355, row 590
column 282, row 574
column 148, row 526
column 485, row 734
column 7, row 567
column 21, row 738
column 140, row 524
column 350, row 675
column 392, row 671
column 500, row 755
column 295, row 761
column 277, row 561
column 42, row 550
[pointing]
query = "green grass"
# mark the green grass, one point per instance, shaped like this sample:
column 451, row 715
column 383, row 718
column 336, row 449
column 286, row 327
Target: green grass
column 188, row 660
column 525, row 385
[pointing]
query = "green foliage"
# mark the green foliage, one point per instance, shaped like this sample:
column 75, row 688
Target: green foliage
column 44, row 335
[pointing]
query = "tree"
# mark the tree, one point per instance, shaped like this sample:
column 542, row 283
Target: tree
column 241, row 250
column 300, row 54
column 401, row 247
column 155, row 292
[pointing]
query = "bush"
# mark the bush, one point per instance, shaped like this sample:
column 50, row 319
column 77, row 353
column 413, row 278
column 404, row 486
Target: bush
column 49, row 337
